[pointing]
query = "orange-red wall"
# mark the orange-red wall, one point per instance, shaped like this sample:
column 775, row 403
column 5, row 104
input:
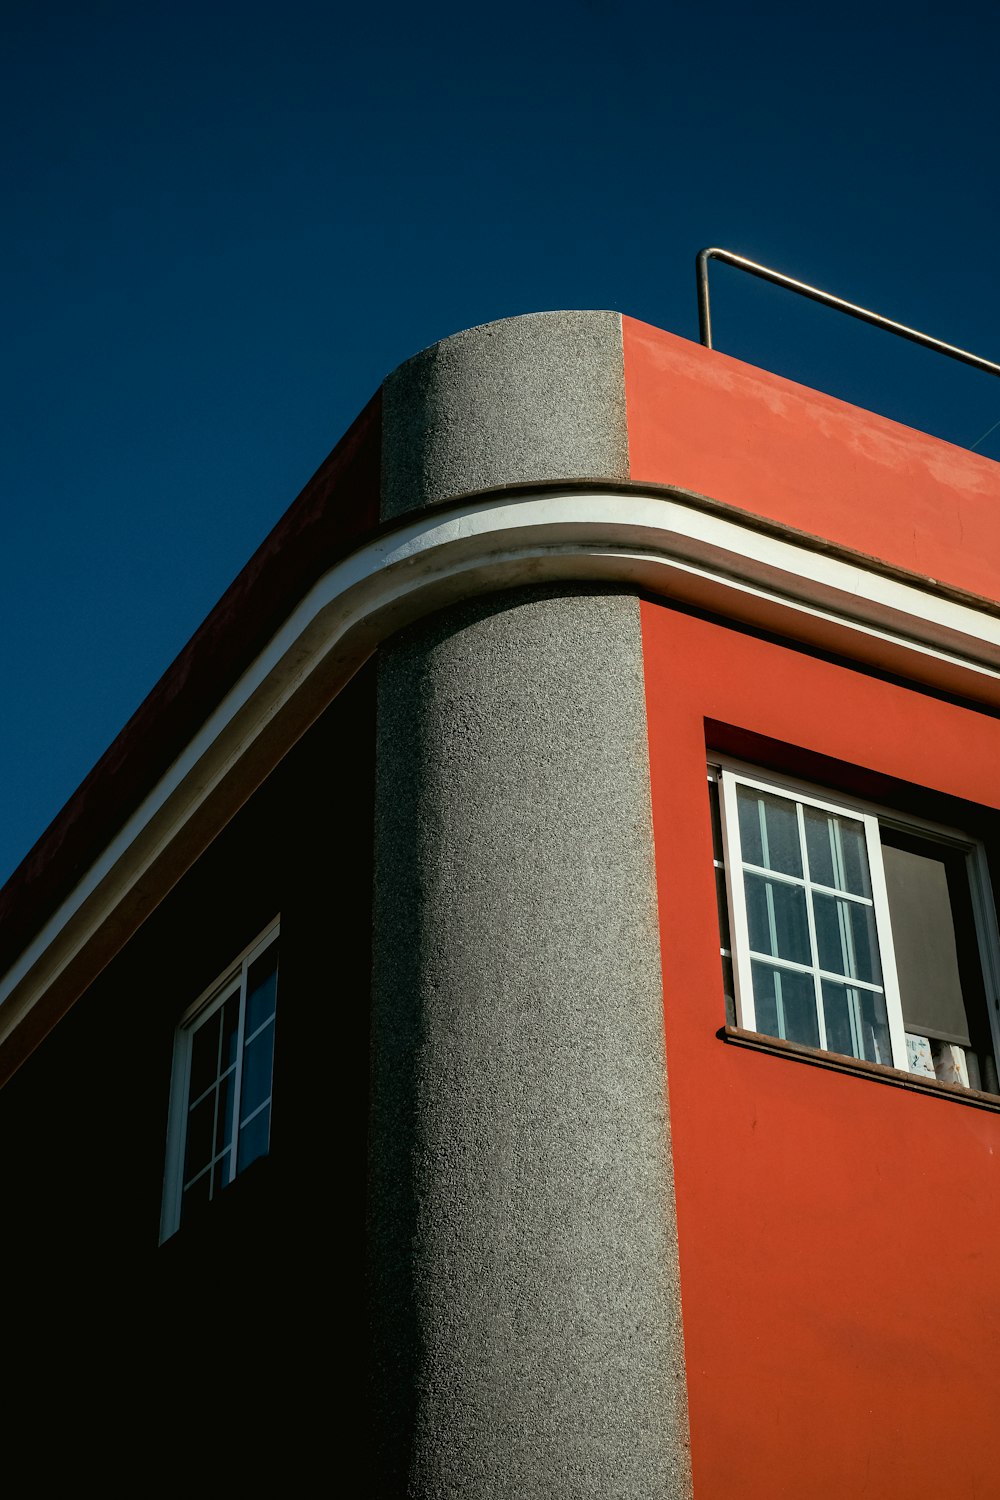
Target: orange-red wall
column 704, row 422
column 839, row 1238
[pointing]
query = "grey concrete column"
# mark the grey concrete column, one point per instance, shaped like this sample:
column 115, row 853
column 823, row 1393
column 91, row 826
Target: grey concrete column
column 524, row 1278
column 523, row 401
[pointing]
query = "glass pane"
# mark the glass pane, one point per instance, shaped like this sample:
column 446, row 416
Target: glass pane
column 837, row 852
column 769, row 831
column 729, row 990
column 857, row 1022
column 204, row 1057
column 875, row 1027
column 201, row 1120
column 785, row 1004
column 722, row 899
column 776, row 919
column 934, row 935
column 254, row 1139
column 845, row 936
column 256, row 1072
column 262, row 986
column 230, row 1030
column 713, row 802
column 224, row 1119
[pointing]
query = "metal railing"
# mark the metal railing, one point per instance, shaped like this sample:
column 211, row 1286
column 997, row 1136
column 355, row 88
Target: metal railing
column 828, row 300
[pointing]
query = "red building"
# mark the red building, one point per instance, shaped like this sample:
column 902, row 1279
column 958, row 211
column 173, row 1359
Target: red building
column 585, row 643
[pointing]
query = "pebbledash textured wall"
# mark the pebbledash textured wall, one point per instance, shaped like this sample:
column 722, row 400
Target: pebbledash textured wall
column 523, row 401
column 524, row 1263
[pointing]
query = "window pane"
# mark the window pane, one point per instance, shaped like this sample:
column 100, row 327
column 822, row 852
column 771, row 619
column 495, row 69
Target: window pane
column 729, row 990
column 857, row 1022
column 723, row 905
column 204, row 1056
column 785, row 1004
column 836, row 850
column 262, row 987
column 200, row 1124
column 230, row 1031
column 921, row 878
column 769, row 831
column 224, row 1119
column 256, row 1072
column 713, row 803
column 845, row 935
column 875, row 1027
column 254, row 1139
column 776, row 918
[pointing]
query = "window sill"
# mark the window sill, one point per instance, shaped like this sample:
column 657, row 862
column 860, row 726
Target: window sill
column 877, row 1072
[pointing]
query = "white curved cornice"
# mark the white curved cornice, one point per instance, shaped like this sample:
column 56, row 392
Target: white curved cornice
column 669, row 546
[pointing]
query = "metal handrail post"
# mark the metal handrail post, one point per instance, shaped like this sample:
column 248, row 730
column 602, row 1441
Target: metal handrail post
column 864, row 314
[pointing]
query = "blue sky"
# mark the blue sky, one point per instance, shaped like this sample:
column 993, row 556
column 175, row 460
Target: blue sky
column 226, row 223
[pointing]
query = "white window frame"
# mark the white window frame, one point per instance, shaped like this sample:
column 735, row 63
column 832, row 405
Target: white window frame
column 232, row 981
column 730, row 774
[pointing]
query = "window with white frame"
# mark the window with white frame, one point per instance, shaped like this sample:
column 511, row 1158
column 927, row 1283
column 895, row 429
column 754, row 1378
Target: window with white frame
column 220, row 1105
column 849, row 929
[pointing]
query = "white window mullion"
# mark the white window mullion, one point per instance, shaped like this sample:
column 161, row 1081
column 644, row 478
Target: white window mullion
column 811, row 920
column 739, row 931
column 781, row 878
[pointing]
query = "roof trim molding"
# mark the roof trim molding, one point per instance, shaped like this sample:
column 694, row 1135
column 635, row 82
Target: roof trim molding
column 664, row 543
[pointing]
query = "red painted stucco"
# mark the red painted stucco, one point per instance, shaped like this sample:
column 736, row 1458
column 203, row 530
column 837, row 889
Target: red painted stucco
column 708, row 423
column 839, row 1238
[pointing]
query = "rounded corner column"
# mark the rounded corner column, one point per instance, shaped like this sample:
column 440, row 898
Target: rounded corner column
column 523, row 1262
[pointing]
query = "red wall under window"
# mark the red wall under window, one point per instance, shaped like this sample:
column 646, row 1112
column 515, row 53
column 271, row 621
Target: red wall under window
column 839, row 1238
